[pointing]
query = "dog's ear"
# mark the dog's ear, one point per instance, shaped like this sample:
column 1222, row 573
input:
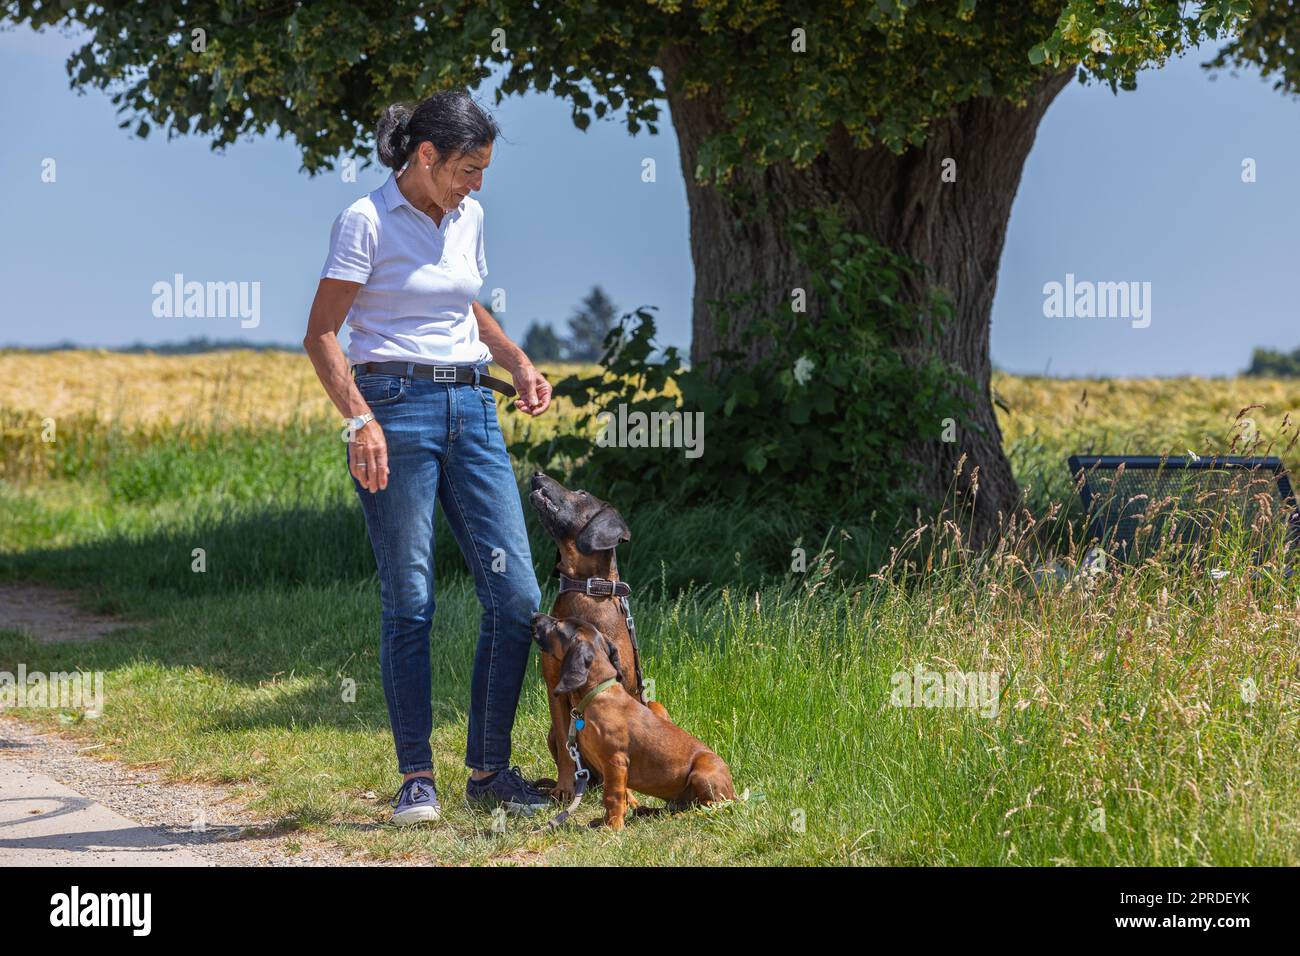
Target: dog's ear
column 577, row 662
column 611, row 649
column 603, row 532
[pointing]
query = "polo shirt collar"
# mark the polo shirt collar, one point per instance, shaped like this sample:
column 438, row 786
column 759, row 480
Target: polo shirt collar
column 393, row 197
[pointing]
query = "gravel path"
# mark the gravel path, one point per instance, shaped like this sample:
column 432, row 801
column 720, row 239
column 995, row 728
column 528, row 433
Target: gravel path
column 228, row 833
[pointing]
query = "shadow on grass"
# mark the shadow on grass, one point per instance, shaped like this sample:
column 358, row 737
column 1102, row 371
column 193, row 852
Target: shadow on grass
column 286, row 546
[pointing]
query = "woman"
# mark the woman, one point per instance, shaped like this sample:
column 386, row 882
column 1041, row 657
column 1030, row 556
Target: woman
column 404, row 265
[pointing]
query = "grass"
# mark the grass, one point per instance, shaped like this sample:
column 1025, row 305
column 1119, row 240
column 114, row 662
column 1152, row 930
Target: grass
column 1120, row 692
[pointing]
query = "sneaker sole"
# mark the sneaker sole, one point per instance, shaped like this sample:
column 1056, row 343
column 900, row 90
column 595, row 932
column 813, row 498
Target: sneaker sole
column 416, row 815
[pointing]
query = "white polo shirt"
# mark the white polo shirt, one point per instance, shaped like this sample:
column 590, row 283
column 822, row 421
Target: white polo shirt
column 419, row 279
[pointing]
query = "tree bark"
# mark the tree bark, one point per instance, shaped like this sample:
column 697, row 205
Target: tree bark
column 954, row 229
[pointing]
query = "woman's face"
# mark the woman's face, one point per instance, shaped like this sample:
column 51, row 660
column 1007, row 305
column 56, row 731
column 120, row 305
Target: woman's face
column 451, row 182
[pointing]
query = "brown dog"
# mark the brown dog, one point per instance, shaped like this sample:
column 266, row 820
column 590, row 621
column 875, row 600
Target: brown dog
column 630, row 744
column 586, row 531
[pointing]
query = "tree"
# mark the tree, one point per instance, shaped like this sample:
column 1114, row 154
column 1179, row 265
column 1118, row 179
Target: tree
column 589, row 325
column 541, row 344
column 917, row 115
column 1269, row 363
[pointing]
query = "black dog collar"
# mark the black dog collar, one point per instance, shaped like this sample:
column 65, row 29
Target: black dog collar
column 595, row 587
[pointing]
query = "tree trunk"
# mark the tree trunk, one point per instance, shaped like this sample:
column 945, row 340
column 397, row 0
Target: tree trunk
column 954, row 229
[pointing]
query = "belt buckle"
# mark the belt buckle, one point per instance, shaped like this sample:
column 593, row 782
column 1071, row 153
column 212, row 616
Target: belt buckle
column 444, row 373
column 599, row 593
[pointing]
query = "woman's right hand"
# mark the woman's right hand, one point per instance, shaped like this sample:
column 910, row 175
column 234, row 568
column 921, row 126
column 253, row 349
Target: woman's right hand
column 367, row 449
column 368, row 457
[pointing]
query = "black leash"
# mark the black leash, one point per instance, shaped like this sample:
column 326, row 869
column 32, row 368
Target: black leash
column 581, row 775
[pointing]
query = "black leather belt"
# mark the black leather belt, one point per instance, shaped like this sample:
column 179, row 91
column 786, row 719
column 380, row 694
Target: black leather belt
column 457, row 374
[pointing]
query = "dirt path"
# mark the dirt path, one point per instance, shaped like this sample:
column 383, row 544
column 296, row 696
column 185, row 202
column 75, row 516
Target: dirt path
column 43, row 823
column 62, row 806
column 204, row 820
column 51, row 615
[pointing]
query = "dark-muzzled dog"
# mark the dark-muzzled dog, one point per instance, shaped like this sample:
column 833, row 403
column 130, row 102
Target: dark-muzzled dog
column 586, row 531
column 632, row 746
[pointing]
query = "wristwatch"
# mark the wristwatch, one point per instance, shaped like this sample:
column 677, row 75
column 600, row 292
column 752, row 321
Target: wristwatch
column 355, row 424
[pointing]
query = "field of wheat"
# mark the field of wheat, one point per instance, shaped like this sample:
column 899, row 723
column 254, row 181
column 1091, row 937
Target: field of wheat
column 251, row 387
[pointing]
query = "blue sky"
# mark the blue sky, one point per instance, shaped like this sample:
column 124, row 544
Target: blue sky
column 1140, row 187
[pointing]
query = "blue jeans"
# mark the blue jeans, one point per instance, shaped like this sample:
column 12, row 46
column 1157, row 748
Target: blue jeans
column 445, row 445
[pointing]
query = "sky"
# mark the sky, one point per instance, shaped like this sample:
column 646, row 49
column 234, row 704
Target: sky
column 1142, row 188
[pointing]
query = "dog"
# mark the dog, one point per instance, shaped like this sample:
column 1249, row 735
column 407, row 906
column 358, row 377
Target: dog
column 631, row 745
column 586, row 532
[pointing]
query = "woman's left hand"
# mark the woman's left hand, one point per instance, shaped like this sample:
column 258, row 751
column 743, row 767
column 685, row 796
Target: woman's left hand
column 533, row 388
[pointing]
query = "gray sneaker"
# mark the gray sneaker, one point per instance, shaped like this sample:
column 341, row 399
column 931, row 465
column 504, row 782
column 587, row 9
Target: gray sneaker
column 509, row 789
column 416, row 802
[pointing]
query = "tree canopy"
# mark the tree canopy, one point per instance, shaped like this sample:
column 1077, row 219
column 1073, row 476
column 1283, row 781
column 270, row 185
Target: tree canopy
column 320, row 73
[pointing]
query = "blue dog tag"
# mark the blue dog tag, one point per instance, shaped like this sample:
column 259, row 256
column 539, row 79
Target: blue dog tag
column 580, row 723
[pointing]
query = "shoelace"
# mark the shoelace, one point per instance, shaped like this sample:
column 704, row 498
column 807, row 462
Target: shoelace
column 418, row 787
column 521, row 785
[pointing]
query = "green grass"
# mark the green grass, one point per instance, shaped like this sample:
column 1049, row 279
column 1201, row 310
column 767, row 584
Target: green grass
column 1123, row 695
column 246, row 688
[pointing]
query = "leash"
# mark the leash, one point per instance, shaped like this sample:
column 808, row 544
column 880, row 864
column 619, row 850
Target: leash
column 620, row 591
column 582, row 774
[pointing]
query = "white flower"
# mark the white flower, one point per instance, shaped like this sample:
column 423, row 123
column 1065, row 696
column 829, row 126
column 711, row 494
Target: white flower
column 803, row 369
column 1098, row 40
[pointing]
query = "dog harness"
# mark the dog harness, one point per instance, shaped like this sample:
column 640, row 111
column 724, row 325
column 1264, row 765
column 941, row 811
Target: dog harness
column 581, row 774
column 620, row 592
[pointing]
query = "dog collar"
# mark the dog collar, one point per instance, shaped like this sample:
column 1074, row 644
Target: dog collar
column 591, row 694
column 595, row 587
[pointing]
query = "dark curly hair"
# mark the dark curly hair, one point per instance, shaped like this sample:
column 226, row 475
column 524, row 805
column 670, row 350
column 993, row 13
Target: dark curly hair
column 451, row 120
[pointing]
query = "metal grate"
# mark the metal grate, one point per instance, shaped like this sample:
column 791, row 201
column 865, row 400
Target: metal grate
column 1198, row 494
